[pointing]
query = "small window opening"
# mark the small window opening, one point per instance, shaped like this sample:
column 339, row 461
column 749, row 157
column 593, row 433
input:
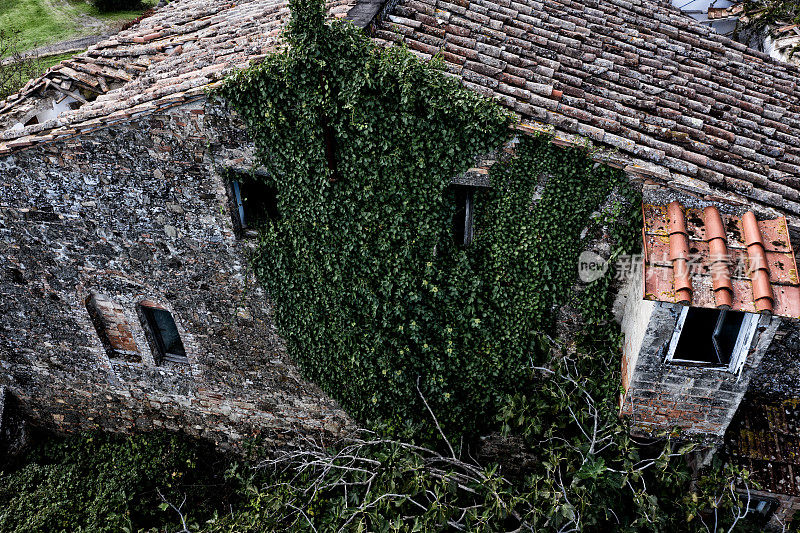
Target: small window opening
column 761, row 508
column 108, row 318
column 463, row 220
column 712, row 337
column 163, row 333
column 255, row 204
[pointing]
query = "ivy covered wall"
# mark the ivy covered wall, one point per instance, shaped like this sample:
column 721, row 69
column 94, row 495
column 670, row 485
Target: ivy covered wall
column 373, row 296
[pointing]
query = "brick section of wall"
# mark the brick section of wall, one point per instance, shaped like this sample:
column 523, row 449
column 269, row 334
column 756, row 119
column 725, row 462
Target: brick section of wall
column 138, row 212
column 700, row 401
column 113, row 328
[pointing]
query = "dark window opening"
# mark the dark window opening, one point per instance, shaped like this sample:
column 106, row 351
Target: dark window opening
column 255, row 204
column 17, row 276
column 330, row 148
column 164, row 335
column 108, row 319
column 761, row 508
column 463, row 220
column 709, row 336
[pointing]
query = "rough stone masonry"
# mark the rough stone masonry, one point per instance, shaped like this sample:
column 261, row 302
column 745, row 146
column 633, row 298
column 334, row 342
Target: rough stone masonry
column 139, row 212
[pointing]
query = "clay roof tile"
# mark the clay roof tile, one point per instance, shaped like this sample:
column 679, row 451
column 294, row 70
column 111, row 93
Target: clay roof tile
column 705, row 258
column 639, row 77
column 718, row 258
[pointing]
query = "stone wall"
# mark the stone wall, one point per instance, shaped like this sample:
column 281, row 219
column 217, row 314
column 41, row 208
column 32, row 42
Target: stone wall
column 132, row 212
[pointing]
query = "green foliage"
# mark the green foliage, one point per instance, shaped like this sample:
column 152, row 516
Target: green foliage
column 375, row 299
column 19, row 69
column 97, row 482
column 371, row 292
column 589, row 470
column 383, row 309
column 370, row 483
column 763, row 16
column 374, row 484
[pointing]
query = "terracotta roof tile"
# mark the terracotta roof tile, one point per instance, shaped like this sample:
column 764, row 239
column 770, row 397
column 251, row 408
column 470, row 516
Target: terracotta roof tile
column 707, row 259
column 637, row 76
column 719, row 259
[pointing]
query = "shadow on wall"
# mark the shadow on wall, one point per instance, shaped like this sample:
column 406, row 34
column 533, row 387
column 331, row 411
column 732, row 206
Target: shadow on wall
column 14, row 431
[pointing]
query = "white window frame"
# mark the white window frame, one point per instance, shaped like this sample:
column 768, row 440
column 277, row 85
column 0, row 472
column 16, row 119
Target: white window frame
column 740, row 350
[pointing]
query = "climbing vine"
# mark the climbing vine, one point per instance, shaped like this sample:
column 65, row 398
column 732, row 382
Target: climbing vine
column 372, row 294
column 404, row 325
column 104, row 483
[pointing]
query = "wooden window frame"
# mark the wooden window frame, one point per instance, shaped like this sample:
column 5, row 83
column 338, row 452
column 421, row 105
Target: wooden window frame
column 468, row 192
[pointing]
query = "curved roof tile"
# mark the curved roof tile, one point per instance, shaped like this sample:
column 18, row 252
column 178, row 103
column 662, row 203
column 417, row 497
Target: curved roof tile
column 679, row 103
column 732, row 262
column 667, row 98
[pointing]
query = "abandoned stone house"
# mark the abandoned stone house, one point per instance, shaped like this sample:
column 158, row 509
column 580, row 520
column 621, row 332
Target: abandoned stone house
column 126, row 298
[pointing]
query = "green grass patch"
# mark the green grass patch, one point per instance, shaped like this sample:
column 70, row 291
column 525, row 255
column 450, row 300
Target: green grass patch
column 48, row 61
column 86, row 8
column 41, row 22
column 36, row 21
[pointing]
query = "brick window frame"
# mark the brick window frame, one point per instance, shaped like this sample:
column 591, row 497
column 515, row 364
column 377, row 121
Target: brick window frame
column 112, row 328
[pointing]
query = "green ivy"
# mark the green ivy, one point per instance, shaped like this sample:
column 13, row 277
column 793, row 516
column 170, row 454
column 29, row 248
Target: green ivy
column 371, row 292
column 381, row 307
column 96, row 482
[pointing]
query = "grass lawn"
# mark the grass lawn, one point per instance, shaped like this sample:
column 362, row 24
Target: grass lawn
column 43, row 22
column 49, row 61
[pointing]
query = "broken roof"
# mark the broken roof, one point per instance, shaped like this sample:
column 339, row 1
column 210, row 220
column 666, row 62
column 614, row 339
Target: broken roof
column 667, row 98
column 782, row 37
column 704, row 258
column 167, row 59
column 764, row 438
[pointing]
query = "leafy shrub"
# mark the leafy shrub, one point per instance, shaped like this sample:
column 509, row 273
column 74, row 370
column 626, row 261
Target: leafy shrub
column 97, row 482
column 371, row 293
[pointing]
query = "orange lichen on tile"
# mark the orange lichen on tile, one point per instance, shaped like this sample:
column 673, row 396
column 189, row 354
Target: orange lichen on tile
column 704, row 258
